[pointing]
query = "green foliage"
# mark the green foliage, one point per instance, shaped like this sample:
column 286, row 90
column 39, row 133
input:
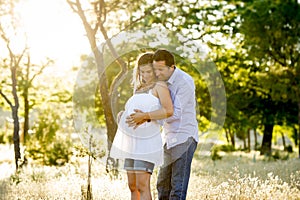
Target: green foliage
column 279, row 155
column 271, row 30
column 44, row 144
column 215, row 151
column 16, row 178
column 289, row 149
column 6, row 137
column 2, row 137
column 226, row 148
column 59, row 152
column 38, row 176
column 215, row 154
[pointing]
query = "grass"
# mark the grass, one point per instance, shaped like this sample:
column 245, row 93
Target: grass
column 237, row 175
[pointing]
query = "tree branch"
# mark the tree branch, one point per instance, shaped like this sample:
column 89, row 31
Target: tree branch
column 72, row 5
column 275, row 58
column 41, row 69
column 76, row 7
column 6, row 99
column 101, row 20
column 103, row 11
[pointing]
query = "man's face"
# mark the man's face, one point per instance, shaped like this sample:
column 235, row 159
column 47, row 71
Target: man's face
column 162, row 71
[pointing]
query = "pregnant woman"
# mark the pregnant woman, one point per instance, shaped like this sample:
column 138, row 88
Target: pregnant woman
column 141, row 147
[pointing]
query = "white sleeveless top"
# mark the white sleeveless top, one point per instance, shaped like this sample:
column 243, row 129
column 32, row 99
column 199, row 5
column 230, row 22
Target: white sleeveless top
column 144, row 142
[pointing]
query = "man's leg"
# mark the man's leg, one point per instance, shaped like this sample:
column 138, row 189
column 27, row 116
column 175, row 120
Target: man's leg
column 164, row 178
column 181, row 169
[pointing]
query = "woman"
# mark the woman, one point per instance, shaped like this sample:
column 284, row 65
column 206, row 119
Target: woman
column 141, row 147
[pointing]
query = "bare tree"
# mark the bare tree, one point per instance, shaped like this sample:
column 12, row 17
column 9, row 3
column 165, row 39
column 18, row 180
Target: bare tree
column 27, row 81
column 13, row 63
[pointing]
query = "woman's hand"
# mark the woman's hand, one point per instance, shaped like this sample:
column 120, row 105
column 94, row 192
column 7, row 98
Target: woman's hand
column 119, row 115
column 136, row 119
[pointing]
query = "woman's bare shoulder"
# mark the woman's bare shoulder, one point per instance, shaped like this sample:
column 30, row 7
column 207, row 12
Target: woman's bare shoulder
column 161, row 84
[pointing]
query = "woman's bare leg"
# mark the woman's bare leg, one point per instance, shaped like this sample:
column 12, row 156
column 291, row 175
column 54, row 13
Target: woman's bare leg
column 143, row 185
column 132, row 184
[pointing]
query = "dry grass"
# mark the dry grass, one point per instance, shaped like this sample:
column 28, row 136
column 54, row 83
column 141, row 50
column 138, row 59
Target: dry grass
column 235, row 176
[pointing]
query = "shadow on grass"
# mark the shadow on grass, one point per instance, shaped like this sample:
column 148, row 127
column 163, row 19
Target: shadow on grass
column 4, row 191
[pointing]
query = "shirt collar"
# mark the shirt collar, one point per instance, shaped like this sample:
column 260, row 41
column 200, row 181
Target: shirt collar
column 173, row 76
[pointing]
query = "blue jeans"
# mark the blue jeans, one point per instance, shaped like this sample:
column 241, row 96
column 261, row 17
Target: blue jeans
column 173, row 176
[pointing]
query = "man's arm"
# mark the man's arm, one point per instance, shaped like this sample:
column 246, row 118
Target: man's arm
column 185, row 93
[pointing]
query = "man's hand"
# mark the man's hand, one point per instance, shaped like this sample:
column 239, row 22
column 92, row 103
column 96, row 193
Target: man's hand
column 136, row 119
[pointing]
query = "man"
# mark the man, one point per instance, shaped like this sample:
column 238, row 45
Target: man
column 180, row 130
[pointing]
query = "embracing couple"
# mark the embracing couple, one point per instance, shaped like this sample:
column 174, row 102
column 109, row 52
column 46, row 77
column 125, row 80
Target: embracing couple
column 158, row 128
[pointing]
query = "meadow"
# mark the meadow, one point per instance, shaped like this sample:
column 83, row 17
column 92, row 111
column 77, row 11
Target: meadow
column 237, row 175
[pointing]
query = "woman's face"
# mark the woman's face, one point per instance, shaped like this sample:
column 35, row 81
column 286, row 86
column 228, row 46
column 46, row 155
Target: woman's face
column 147, row 73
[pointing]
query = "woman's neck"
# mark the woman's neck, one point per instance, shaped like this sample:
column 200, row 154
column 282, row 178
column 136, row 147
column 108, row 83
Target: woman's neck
column 145, row 87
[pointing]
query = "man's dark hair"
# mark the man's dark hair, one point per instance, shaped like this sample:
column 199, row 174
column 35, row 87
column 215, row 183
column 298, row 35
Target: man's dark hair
column 164, row 55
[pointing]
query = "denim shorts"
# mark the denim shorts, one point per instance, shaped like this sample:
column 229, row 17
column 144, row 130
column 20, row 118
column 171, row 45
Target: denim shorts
column 138, row 165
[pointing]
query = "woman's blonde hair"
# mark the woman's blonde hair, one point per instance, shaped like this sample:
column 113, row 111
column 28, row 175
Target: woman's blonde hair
column 144, row 59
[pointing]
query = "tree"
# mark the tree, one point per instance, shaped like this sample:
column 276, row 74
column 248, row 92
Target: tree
column 25, row 84
column 13, row 64
column 22, row 73
column 245, row 67
column 93, row 23
column 271, row 30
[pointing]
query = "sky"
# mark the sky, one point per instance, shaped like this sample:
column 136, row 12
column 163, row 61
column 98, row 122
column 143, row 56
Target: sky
column 53, row 31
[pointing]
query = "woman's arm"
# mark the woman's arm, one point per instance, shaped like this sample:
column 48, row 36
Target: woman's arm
column 162, row 92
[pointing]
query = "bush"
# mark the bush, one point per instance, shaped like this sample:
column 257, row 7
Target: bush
column 227, row 148
column 44, row 145
column 2, row 138
column 215, row 154
column 59, row 153
column 289, row 149
column 6, row 137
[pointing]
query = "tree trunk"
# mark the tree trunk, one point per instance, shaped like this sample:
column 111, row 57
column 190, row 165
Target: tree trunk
column 267, row 140
column 255, row 139
column 295, row 135
column 16, row 136
column 249, row 140
column 26, row 115
column 245, row 143
column 283, row 140
column 111, row 125
column 26, row 102
column 299, row 129
column 109, row 119
column 227, row 135
column 231, row 134
column 15, row 117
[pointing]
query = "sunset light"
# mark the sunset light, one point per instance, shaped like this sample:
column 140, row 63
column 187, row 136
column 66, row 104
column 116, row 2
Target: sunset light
column 53, row 31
